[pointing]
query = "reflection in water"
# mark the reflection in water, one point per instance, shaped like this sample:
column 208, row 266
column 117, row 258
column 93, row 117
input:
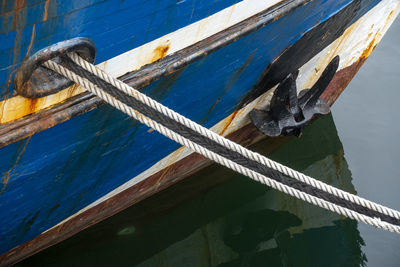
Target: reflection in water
column 220, row 218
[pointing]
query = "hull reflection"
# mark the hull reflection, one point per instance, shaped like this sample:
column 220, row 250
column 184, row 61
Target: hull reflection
column 219, row 218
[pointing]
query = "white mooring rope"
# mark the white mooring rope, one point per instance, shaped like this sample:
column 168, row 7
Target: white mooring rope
column 377, row 222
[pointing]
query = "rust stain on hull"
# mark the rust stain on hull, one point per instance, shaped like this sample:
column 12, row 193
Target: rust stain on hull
column 3, row 5
column 343, row 77
column 340, row 82
column 33, row 105
column 6, row 175
column 32, row 40
column 229, row 121
column 18, row 107
column 19, row 4
column 160, row 52
column 35, row 123
column 46, row 10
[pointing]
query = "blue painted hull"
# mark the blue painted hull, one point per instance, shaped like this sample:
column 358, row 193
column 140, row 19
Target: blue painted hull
column 114, row 26
column 55, row 173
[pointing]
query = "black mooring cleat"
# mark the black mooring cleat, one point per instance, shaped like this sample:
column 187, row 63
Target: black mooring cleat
column 288, row 113
column 33, row 80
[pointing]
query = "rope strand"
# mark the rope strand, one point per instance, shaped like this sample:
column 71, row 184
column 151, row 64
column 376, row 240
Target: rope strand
column 223, row 159
column 228, row 143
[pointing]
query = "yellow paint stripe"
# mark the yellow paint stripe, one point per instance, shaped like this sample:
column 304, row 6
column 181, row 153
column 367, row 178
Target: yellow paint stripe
column 17, row 107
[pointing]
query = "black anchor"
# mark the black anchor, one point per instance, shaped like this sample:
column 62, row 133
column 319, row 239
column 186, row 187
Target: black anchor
column 288, row 113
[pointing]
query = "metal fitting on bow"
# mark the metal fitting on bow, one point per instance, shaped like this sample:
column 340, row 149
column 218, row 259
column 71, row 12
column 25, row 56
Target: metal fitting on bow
column 288, row 113
column 33, row 80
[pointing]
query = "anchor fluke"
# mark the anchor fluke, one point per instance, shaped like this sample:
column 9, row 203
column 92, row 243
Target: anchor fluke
column 288, row 112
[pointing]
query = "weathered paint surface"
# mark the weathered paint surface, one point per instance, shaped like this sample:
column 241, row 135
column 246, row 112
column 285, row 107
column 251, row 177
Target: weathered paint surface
column 104, row 21
column 103, row 143
column 108, row 44
column 160, row 50
column 172, row 65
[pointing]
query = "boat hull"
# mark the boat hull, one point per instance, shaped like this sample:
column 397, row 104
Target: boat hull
column 60, row 180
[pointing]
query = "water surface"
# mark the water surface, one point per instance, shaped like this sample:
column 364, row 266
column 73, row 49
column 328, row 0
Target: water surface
column 368, row 126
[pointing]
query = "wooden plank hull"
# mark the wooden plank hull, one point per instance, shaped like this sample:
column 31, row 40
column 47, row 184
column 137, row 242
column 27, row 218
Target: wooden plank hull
column 63, row 172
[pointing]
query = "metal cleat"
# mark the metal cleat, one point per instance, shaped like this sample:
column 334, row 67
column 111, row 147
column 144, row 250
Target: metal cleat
column 33, row 80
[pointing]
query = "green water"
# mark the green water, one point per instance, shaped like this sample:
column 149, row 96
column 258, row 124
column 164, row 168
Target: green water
column 219, row 218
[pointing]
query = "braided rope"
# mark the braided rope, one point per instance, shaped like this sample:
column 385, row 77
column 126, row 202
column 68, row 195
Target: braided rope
column 217, row 158
column 217, row 148
column 228, row 143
